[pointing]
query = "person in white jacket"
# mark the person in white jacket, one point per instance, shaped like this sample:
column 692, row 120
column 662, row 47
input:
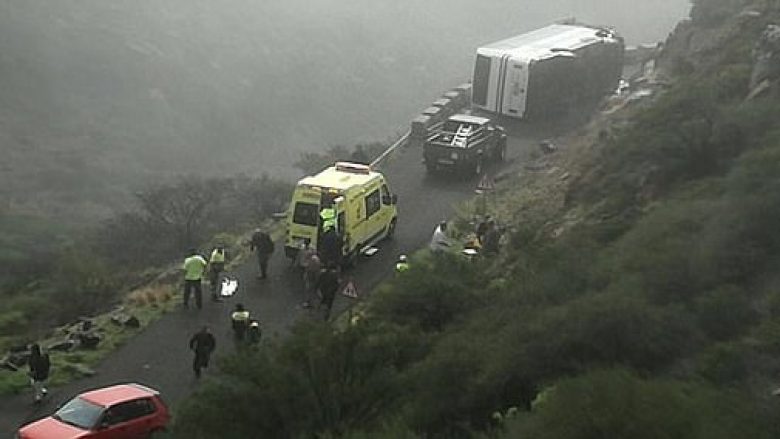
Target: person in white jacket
column 440, row 242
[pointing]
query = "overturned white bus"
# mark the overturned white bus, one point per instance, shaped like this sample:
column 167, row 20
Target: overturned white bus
column 542, row 72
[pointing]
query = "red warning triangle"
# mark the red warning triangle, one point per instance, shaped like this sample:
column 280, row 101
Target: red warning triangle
column 350, row 290
column 486, row 183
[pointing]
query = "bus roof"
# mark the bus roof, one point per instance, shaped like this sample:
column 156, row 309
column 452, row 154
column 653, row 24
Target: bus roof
column 547, row 42
column 342, row 176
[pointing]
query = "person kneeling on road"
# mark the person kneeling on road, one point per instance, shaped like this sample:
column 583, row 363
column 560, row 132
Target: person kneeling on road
column 254, row 332
column 402, row 264
column 239, row 320
column 439, row 241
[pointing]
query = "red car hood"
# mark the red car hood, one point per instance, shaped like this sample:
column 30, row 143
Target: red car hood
column 50, row 428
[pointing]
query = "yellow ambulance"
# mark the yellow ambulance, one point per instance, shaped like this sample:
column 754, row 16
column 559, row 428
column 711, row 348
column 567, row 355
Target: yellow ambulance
column 350, row 196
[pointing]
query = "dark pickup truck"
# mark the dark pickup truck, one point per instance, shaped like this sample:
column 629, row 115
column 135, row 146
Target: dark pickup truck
column 464, row 143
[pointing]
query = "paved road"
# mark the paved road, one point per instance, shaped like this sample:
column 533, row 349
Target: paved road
column 159, row 356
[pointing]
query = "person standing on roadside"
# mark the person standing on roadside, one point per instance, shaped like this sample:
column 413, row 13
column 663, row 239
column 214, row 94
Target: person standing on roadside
column 39, row 372
column 311, row 276
column 216, row 267
column 331, row 247
column 264, row 246
column 490, row 246
column 202, row 344
column 482, row 229
column 328, row 285
column 194, row 268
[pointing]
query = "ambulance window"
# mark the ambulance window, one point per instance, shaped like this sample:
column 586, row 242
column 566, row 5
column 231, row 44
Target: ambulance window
column 306, row 214
column 372, row 203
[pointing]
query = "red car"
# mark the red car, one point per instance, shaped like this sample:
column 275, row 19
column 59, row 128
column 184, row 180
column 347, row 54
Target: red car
column 124, row 411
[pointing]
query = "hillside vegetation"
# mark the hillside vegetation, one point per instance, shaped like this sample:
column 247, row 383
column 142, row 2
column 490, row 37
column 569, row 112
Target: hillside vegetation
column 636, row 295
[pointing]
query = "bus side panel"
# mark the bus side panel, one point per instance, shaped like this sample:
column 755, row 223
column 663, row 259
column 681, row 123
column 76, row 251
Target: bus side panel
column 485, row 80
column 515, row 87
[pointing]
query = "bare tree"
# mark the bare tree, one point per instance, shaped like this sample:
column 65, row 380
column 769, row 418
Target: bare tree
column 180, row 208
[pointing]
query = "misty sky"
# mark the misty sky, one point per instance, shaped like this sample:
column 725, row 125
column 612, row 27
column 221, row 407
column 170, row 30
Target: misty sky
column 125, row 91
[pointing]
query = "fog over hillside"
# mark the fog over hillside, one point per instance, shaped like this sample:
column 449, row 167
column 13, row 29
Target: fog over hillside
column 98, row 96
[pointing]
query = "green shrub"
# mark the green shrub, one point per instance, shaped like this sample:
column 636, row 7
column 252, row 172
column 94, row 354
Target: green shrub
column 617, row 404
column 433, row 293
column 725, row 312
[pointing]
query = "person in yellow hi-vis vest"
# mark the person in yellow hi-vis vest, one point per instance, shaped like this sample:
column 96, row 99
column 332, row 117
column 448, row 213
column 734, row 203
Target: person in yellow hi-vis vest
column 402, row 264
column 328, row 218
column 216, row 267
column 194, row 268
column 239, row 321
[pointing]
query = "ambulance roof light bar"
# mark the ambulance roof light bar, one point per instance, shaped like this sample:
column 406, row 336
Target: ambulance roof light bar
column 354, row 168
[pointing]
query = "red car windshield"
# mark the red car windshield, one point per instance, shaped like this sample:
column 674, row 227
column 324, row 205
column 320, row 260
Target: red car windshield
column 79, row 413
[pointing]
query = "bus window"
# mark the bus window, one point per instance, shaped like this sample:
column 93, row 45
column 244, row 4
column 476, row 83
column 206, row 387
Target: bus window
column 306, row 214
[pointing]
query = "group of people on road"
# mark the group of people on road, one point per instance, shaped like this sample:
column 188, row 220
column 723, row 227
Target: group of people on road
column 196, row 267
column 321, row 278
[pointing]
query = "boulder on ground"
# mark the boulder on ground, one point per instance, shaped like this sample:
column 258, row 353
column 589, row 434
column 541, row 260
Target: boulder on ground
column 18, row 359
column 87, row 340
column 62, row 346
column 7, row 365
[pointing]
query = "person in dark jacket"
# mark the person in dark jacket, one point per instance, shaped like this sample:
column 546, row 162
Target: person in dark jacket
column 262, row 243
column 328, row 285
column 203, row 344
column 39, row 371
column 491, row 240
column 330, row 247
